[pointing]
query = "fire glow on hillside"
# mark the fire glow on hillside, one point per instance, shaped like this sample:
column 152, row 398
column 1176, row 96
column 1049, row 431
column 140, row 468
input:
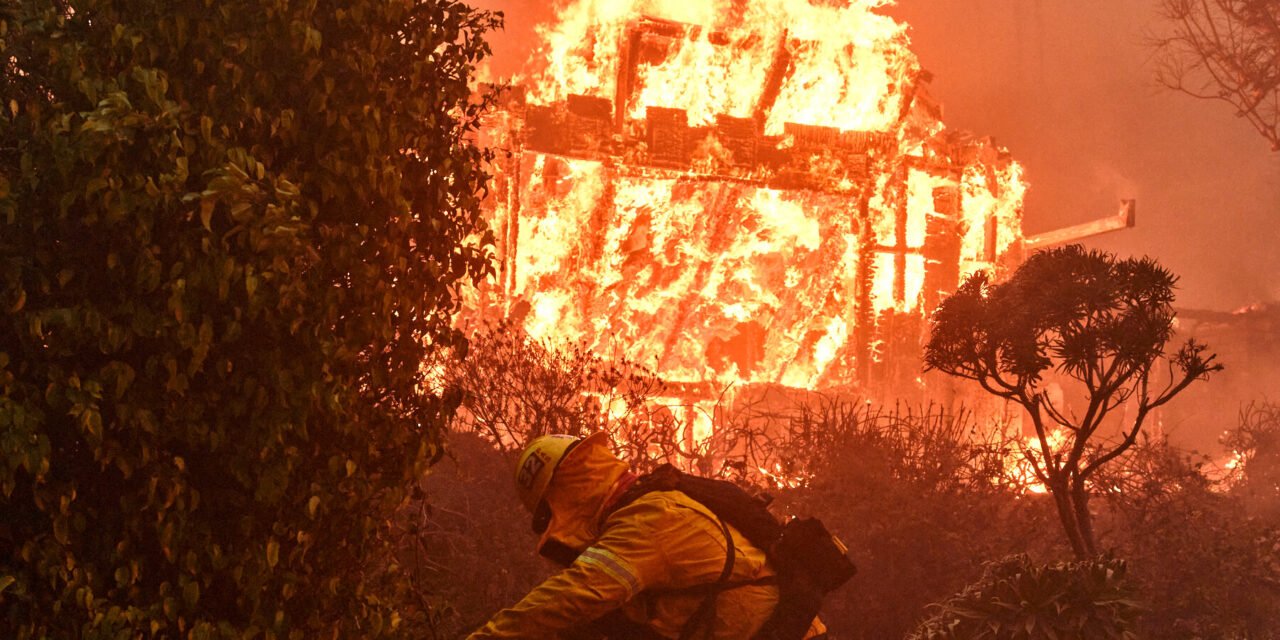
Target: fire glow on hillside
column 738, row 192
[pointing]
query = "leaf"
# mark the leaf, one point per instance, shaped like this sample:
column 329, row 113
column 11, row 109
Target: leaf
column 312, row 505
column 206, row 213
column 5, row 581
column 273, row 553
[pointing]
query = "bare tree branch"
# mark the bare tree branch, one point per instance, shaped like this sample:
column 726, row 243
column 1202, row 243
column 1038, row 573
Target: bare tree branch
column 1226, row 50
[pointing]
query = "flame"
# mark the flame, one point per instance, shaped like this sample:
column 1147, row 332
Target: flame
column 779, row 478
column 582, row 51
column 1226, row 471
column 1018, row 467
column 724, row 268
column 992, row 203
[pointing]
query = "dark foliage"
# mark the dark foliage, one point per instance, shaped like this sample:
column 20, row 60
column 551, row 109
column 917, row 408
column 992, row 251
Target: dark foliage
column 1204, row 566
column 1017, row 599
column 514, row 388
column 1255, row 443
column 921, row 499
column 222, row 263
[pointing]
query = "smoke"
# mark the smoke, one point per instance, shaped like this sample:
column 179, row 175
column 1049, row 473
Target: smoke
column 1110, row 179
column 518, row 39
column 1070, row 88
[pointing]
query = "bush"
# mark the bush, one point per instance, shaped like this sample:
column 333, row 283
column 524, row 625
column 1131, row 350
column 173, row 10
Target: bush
column 1016, row 598
column 222, row 263
column 921, row 500
column 1256, row 444
column 514, row 388
column 1204, row 565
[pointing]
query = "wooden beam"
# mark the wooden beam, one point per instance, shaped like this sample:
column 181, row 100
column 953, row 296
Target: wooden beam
column 778, row 72
column 1123, row 219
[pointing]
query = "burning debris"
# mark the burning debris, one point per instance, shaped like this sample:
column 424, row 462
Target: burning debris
column 740, row 193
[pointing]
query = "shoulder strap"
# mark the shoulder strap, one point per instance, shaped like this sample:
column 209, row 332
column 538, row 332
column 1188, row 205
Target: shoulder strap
column 705, row 615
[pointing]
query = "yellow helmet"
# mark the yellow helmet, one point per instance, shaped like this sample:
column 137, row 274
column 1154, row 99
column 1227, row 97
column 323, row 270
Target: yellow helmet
column 537, row 464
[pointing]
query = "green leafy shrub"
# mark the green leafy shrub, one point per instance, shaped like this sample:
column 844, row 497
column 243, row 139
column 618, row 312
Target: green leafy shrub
column 1016, row 598
column 230, row 233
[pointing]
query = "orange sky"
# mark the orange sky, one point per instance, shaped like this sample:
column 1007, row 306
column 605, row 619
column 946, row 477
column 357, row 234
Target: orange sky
column 1068, row 87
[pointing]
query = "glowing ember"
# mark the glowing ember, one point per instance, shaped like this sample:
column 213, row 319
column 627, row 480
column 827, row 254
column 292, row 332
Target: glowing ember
column 738, row 192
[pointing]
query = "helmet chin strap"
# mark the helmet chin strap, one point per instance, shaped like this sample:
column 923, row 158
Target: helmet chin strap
column 541, row 517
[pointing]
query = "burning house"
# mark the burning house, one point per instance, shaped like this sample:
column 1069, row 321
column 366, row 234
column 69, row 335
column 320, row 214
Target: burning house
column 739, row 193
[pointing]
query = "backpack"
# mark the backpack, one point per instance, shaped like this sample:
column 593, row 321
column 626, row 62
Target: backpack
column 808, row 560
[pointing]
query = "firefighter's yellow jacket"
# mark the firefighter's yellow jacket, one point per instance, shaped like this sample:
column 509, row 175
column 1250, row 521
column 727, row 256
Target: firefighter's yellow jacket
column 661, row 541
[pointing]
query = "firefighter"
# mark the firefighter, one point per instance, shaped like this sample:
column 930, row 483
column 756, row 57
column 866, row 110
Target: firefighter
column 655, row 567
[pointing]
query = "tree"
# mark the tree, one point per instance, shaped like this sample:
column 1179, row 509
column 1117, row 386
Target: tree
column 1099, row 325
column 1226, row 50
column 230, row 233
